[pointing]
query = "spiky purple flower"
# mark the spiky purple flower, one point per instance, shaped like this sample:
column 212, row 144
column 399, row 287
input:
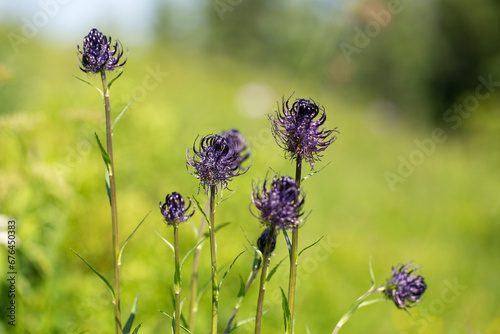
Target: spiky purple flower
column 261, row 242
column 404, row 287
column 174, row 209
column 298, row 133
column 214, row 163
column 238, row 144
column 280, row 205
column 99, row 54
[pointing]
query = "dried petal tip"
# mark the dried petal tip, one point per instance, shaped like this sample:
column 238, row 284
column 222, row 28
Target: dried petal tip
column 298, row 133
column 405, row 288
column 99, row 54
column 214, row 162
column 280, row 205
column 174, row 209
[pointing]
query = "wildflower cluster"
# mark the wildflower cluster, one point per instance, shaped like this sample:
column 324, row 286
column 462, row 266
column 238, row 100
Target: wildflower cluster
column 215, row 161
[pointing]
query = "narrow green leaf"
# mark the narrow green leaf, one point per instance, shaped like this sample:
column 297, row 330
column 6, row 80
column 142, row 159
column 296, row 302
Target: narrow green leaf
column 287, row 318
column 104, row 153
column 315, row 172
column 217, row 228
column 288, row 243
column 314, row 243
column 202, row 290
column 182, row 327
column 242, row 291
column 245, row 321
column 98, row 274
column 257, row 250
column 372, row 276
column 228, row 269
column 121, row 114
column 373, row 301
column 202, row 240
column 273, row 271
column 88, row 83
column 166, row 241
column 226, row 198
column 107, row 164
column 120, row 253
column 183, row 319
column 131, row 318
column 201, row 210
column 114, row 79
column 136, row 330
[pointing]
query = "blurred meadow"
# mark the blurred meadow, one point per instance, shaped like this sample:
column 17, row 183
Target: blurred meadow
column 413, row 176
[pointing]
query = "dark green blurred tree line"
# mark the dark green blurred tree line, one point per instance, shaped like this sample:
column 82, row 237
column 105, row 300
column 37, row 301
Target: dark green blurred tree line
column 421, row 56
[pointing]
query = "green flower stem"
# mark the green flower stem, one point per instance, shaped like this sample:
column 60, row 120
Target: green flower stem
column 248, row 284
column 294, row 253
column 177, row 280
column 193, row 307
column 213, row 256
column 263, row 279
column 114, row 211
column 357, row 304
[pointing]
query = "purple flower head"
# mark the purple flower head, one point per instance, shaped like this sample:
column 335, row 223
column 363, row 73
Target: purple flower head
column 298, row 133
column 99, row 54
column 280, row 205
column 405, row 288
column 214, row 162
column 238, row 144
column 174, row 209
column 261, row 242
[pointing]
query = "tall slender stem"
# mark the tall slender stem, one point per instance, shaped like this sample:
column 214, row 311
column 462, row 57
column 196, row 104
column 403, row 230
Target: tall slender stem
column 114, row 211
column 294, row 253
column 263, row 279
column 213, row 256
column 177, row 281
column 193, row 307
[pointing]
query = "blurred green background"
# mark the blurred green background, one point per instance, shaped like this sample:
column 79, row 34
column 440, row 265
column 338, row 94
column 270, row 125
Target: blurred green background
column 412, row 86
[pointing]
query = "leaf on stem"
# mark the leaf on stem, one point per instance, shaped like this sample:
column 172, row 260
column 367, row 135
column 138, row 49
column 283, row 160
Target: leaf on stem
column 182, row 327
column 287, row 318
column 107, row 164
column 372, row 276
column 228, row 269
column 88, row 83
column 131, row 318
column 201, row 210
column 136, row 330
column 130, row 236
column 114, row 79
column 314, row 172
column 98, row 274
column 202, row 240
column 121, row 114
column 166, row 241
column 288, row 243
column 306, row 248
column 273, row 271
column 242, row 292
